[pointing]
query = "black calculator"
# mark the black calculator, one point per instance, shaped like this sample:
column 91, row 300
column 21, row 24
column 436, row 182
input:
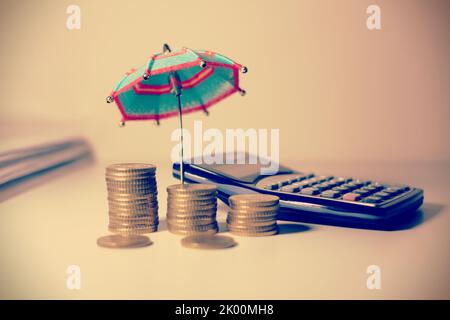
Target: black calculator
column 313, row 198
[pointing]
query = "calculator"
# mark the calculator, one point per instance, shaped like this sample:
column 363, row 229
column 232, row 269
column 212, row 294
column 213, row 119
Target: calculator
column 311, row 197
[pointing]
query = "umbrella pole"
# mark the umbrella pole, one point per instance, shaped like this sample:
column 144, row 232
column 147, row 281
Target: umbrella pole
column 181, row 139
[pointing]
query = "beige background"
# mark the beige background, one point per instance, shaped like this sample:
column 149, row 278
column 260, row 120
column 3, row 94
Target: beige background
column 344, row 98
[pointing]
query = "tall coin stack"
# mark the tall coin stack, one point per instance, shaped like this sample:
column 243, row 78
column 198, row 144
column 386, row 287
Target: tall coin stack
column 132, row 198
column 253, row 215
column 191, row 209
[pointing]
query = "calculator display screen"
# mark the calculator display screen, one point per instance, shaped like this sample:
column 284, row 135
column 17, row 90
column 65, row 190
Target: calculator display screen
column 248, row 172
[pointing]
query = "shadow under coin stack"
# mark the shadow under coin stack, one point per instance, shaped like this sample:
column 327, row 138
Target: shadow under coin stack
column 132, row 198
column 253, row 215
column 191, row 209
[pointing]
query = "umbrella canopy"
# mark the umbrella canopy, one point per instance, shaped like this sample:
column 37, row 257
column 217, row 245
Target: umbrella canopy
column 203, row 77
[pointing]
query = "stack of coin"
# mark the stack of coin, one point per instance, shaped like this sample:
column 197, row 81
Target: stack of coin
column 253, row 215
column 132, row 198
column 191, row 209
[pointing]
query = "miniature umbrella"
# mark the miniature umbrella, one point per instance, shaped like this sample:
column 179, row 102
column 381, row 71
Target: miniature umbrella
column 173, row 83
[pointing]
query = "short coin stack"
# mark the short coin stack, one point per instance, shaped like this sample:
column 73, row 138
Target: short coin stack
column 253, row 215
column 132, row 198
column 191, row 209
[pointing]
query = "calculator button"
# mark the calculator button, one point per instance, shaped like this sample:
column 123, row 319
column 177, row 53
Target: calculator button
column 303, row 184
column 290, row 188
column 344, row 179
column 336, row 182
column 320, row 187
column 392, row 191
column 341, row 189
column 330, row 194
column 351, row 196
column 382, row 195
column 362, row 192
column 283, row 183
column 325, row 178
column 310, row 191
column 371, row 189
column 273, row 186
column 373, row 199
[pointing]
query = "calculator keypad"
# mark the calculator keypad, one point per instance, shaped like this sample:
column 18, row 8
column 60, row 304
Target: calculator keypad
column 330, row 187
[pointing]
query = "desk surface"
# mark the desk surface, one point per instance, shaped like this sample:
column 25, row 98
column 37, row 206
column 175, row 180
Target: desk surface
column 56, row 224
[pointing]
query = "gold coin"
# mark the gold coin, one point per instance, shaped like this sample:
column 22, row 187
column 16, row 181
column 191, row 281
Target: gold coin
column 192, row 232
column 251, row 228
column 133, row 220
column 191, row 209
column 249, row 211
column 124, row 182
column 133, row 210
column 132, row 189
column 251, row 224
column 197, row 189
column 252, row 216
column 132, row 198
column 191, row 217
column 177, row 207
column 208, row 242
column 192, row 224
column 192, row 203
column 133, row 202
column 118, row 241
column 192, row 227
column 191, row 197
column 131, row 167
column 132, row 230
column 254, row 199
column 254, row 234
column 130, row 175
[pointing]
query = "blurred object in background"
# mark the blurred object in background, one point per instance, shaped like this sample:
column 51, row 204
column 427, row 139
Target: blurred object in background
column 23, row 168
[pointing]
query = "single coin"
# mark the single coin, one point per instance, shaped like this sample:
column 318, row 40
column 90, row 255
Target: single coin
column 132, row 176
column 132, row 225
column 200, row 188
column 132, row 230
column 192, row 224
column 239, row 212
column 254, row 234
column 253, row 215
column 150, row 202
column 191, row 203
column 131, row 221
column 191, row 215
column 131, row 198
column 191, row 197
column 177, row 207
column 251, row 228
column 118, row 241
column 131, row 167
column 208, row 242
column 251, row 224
column 187, row 218
column 254, row 199
column 199, row 227
column 193, row 210
column 134, row 210
column 126, row 182
column 254, row 208
column 193, row 232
